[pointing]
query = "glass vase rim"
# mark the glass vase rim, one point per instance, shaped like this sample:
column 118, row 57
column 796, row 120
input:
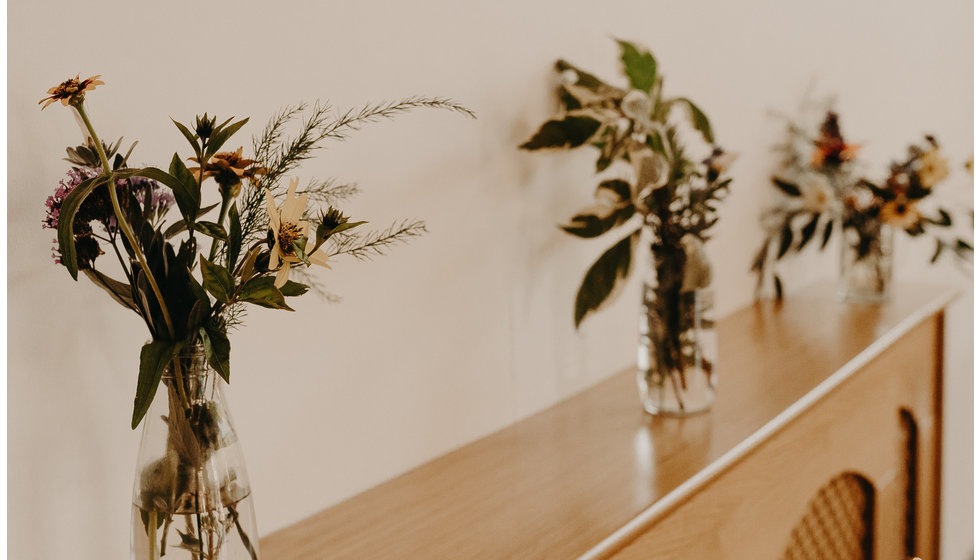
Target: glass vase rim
column 195, row 360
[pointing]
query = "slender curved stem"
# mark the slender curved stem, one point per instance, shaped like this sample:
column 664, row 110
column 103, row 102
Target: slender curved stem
column 121, row 221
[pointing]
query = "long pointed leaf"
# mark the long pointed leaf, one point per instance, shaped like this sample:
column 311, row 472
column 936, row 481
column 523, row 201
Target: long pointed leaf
column 188, row 196
column 154, row 358
column 605, row 277
column 217, row 280
column 570, row 132
column 699, row 120
column 119, row 291
column 218, row 350
column 190, row 136
column 66, row 221
column 220, row 137
column 639, row 66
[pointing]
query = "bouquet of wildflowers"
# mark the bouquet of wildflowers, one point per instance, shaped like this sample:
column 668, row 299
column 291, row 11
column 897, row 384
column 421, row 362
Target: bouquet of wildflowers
column 821, row 191
column 189, row 270
column 664, row 200
column 666, row 190
column 257, row 234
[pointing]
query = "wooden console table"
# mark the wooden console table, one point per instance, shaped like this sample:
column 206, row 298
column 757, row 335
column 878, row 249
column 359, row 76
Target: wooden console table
column 816, row 400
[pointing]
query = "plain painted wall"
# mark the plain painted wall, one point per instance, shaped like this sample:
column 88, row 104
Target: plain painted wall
column 468, row 329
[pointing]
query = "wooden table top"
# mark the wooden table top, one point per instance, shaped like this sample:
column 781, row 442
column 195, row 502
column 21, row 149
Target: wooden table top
column 575, row 478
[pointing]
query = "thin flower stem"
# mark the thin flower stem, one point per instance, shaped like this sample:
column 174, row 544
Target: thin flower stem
column 175, row 364
column 151, row 536
column 221, row 221
column 123, row 224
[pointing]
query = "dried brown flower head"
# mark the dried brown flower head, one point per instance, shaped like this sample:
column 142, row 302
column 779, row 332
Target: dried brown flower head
column 228, row 169
column 71, row 91
column 831, row 150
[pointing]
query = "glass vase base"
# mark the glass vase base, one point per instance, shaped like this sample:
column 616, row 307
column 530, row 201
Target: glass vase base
column 661, row 397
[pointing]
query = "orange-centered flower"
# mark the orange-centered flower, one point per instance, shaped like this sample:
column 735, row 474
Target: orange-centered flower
column 900, row 212
column 228, row 170
column 71, row 91
column 288, row 230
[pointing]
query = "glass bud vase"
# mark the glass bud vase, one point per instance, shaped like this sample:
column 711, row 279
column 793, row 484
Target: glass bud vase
column 678, row 347
column 191, row 497
column 866, row 263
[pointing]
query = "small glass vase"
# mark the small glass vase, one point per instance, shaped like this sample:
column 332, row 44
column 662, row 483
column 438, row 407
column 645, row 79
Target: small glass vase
column 677, row 350
column 191, row 497
column 866, row 263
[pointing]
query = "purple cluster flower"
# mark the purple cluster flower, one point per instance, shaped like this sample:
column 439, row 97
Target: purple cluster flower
column 98, row 207
column 161, row 199
column 75, row 177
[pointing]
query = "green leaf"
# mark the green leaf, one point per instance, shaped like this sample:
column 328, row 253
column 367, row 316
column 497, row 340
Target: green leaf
column 699, row 120
column 263, row 292
column 619, row 189
column 154, row 358
column 570, row 132
column 181, row 225
column 190, row 136
column 217, row 280
column 293, row 289
column 939, row 250
column 218, row 350
column 639, row 65
column 787, row 187
column 234, row 237
column 121, row 292
column 945, row 220
column 656, row 141
column 186, row 192
column 785, row 241
column 211, row 229
column 190, row 191
column 220, row 136
column 605, row 276
column 344, row 227
column 66, row 221
column 588, row 225
column 299, row 249
column 828, row 230
column 807, row 232
column 585, row 79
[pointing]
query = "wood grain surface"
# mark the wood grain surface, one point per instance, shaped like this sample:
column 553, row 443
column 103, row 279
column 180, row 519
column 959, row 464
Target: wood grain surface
column 584, row 476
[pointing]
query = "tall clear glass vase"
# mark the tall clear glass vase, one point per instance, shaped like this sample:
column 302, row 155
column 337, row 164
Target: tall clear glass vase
column 677, row 351
column 191, row 497
column 866, row 263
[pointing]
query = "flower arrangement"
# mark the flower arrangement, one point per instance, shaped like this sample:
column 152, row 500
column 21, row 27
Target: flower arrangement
column 189, row 271
column 657, row 191
column 821, row 191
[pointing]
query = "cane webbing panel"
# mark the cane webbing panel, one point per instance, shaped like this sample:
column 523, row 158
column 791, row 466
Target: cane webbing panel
column 837, row 524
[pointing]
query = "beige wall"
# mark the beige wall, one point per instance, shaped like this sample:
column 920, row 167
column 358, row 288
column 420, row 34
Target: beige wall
column 469, row 328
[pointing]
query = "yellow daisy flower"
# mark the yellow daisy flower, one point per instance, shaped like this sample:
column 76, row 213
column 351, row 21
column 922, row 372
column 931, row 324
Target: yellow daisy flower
column 900, row 213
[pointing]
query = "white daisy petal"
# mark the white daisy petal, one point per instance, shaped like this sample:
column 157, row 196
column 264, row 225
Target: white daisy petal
column 270, row 208
column 320, row 258
column 274, row 257
column 282, row 276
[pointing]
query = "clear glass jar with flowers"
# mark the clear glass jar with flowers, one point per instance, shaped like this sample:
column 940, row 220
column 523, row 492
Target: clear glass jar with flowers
column 821, row 192
column 665, row 203
column 188, row 271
